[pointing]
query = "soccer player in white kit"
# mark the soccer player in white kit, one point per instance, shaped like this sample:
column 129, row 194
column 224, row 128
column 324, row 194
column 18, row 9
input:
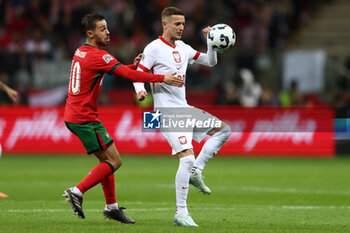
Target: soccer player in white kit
column 169, row 54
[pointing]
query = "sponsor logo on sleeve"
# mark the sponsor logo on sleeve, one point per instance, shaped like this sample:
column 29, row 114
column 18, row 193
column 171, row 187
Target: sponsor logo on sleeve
column 107, row 58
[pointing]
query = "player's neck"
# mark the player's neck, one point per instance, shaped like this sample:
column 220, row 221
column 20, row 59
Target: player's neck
column 93, row 44
column 168, row 39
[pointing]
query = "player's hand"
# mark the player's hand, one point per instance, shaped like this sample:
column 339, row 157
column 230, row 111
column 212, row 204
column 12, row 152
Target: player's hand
column 206, row 31
column 170, row 79
column 141, row 95
column 12, row 94
column 137, row 59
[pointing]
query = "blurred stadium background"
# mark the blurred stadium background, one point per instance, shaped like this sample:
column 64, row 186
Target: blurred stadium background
column 289, row 54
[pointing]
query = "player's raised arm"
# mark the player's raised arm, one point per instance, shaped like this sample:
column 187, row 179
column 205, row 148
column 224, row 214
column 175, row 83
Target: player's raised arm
column 209, row 58
column 138, row 76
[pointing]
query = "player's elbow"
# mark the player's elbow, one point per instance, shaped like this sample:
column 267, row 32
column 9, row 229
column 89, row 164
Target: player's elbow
column 212, row 63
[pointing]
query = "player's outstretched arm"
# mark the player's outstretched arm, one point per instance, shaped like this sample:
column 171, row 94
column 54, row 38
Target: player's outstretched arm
column 209, row 58
column 142, row 94
column 206, row 31
column 10, row 92
column 138, row 76
column 170, row 79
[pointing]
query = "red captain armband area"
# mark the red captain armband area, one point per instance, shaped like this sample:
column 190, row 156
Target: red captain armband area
column 196, row 56
column 137, row 76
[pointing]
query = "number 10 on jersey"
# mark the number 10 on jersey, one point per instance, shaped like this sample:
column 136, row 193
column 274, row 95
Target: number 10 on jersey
column 74, row 80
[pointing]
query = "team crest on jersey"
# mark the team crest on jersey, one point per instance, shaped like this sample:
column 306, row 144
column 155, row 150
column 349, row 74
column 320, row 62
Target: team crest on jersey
column 177, row 56
column 107, row 58
column 183, row 140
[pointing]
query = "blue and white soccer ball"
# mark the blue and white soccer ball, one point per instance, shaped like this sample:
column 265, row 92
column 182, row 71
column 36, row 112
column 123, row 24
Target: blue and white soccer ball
column 221, row 37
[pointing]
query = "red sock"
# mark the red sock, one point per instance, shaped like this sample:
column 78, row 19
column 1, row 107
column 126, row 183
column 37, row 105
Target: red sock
column 108, row 186
column 96, row 175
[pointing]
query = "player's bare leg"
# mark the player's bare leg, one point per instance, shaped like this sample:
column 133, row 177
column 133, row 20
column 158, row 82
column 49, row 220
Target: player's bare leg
column 182, row 216
column 211, row 147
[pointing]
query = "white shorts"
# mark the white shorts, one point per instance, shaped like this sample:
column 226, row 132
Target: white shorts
column 180, row 141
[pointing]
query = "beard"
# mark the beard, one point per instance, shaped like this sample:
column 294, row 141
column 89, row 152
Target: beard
column 102, row 42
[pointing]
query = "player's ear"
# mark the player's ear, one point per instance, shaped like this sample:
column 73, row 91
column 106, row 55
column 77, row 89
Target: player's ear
column 89, row 33
column 165, row 25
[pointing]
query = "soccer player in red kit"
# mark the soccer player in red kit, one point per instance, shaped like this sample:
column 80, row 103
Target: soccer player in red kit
column 89, row 65
column 13, row 95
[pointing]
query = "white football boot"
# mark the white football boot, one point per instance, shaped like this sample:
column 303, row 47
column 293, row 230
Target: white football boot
column 184, row 219
column 196, row 180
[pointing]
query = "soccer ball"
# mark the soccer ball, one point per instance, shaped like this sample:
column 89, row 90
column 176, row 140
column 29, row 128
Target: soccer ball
column 221, row 37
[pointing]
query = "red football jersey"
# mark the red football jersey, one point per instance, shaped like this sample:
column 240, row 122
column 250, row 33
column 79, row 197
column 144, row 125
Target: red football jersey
column 86, row 77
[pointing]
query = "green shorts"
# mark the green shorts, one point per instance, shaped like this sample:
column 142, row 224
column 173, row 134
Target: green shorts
column 93, row 135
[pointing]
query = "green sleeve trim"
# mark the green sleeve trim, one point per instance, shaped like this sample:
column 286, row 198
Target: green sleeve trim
column 113, row 68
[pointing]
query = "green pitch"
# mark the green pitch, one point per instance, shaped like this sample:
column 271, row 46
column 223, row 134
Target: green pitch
column 248, row 195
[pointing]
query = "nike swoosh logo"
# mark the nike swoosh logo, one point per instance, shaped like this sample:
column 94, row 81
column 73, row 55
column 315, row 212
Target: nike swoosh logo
column 184, row 187
column 178, row 68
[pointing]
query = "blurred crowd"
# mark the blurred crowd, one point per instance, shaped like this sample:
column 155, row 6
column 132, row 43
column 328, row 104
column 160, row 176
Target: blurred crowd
column 34, row 32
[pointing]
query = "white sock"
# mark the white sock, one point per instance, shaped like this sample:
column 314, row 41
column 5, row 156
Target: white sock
column 76, row 191
column 181, row 210
column 211, row 148
column 113, row 206
column 182, row 183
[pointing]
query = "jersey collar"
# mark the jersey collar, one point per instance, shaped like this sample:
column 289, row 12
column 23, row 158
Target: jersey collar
column 166, row 42
column 86, row 44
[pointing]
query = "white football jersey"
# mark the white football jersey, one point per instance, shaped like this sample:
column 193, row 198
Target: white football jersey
column 160, row 57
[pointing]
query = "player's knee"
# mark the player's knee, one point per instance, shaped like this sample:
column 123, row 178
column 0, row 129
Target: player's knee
column 227, row 131
column 185, row 153
column 224, row 133
column 115, row 163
